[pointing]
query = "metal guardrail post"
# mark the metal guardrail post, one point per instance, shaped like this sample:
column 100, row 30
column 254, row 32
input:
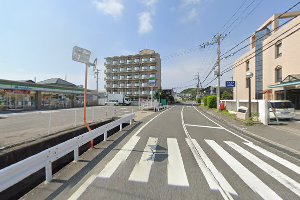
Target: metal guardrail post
column 105, row 136
column 75, row 118
column 121, row 127
column 49, row 126
column 48, row 171
column 76, row 154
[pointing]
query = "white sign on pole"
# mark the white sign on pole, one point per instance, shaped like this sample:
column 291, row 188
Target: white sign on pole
column 81, row 55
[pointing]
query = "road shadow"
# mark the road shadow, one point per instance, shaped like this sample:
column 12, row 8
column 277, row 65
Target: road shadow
column 86, row 169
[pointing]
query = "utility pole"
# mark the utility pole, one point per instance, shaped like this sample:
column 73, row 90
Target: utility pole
column 96, row 75
column 198, row 85
column 216, row 40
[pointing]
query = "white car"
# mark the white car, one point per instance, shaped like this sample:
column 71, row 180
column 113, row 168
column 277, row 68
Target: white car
column 112, row 103
column 284, row 109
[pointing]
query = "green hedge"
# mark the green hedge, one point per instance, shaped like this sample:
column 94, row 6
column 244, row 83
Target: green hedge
column 199, row 100
column 205, row 101
column 212, row 101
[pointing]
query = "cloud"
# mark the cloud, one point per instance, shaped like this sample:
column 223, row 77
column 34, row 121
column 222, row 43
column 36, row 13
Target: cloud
column 191, row 9
column 149, row 3
column 145, row 23
column 113, row 8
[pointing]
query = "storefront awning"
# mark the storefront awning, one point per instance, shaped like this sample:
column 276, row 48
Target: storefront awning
column 290, row 80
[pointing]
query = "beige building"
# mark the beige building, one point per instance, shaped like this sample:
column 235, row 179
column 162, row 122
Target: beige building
column 274, row 60
column 134, row 75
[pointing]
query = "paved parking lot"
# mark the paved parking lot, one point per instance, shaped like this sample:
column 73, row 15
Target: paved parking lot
column 26, row 126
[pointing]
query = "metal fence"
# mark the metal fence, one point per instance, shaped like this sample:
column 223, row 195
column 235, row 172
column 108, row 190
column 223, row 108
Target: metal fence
column 20, row 170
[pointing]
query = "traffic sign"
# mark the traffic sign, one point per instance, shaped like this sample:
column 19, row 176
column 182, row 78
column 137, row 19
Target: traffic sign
column 230, row 84
column 81, row 55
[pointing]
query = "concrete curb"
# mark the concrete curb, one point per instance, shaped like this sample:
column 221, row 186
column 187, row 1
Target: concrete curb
column 287, row 150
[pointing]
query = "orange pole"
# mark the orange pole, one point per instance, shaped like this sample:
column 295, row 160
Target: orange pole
column 84, row 102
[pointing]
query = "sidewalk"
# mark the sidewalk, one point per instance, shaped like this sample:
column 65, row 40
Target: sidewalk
column 274, row 135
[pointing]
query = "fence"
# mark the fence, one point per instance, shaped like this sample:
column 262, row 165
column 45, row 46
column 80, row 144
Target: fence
column 20, row 170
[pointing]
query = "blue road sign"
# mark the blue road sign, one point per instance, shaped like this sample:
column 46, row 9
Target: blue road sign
column 230, row 84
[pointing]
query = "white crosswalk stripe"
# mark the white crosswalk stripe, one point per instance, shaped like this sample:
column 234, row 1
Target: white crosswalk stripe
column 120, row 157
column 214, row 178
column 248, row 177
column 141, row 170
column 176, row 172
column 276, row 174
column 177, row 175
column 278, row 159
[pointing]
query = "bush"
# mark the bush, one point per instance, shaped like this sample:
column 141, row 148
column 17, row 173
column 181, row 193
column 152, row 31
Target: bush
column 212, row 101
column 199, row 100
column 205, row 101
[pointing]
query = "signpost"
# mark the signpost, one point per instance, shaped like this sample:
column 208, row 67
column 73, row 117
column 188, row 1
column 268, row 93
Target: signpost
column 230, row 84
column 83, row 56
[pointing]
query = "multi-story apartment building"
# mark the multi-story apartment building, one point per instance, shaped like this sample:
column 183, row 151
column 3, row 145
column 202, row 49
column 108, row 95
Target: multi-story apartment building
column 273, row 59
column 136, row 76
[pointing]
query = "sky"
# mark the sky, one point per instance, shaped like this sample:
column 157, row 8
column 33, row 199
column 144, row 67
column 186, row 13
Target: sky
column 37, row 36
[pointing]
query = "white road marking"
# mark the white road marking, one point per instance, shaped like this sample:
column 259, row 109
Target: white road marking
column 82, row 188
column 141, row 170
column 133, row 139
column 278, row 159
column 223, row 192
column 193, row 125
column 208, row 168
column 120, row 157
column 276, row 174
column 221, row 126
column 140, row 129
column 176, row 171
column 248, row 177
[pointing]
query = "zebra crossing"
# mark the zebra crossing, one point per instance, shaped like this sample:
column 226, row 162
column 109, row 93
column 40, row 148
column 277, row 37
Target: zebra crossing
column 177, row 174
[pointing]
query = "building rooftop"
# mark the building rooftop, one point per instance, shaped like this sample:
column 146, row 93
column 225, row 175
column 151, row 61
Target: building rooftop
column 57, row 81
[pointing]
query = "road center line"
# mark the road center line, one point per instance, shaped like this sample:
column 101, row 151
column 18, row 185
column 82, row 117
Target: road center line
column 195, row 125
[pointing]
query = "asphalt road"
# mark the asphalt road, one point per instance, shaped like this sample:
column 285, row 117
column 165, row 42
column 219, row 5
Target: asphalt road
column 26, row 126
column 182, row 154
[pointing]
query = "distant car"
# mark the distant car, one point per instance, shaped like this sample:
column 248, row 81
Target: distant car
column 284, row 109
column 112, row 103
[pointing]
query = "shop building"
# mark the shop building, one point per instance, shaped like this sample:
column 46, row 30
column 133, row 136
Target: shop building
column 273, row 59
column 52, row 93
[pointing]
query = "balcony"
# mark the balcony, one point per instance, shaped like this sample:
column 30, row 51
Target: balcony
column 115, row 62
column 122, row 62
column 145, row 60
column 122, row 85
column 129, row 77
column 144, row 84
column 136, row 60
column 122, row 69
column 152, row 59
column 144, row 76
column 128, row 85
column 129, row 69
column 115, row 70
column 136, row 93
column 129, row 62
column 115, row 78
column 136, row 84
column 115, row 86
column 122, row 77
column 129, row 93
column 144, row 68
column 137, row 77
column 145, row 92
column 152, row 67
column 136, row 69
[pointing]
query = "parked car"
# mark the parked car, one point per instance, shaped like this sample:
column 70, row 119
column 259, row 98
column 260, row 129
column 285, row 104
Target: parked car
column 112, row 103
column 284, row 109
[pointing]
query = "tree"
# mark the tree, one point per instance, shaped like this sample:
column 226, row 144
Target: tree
column 226, row 96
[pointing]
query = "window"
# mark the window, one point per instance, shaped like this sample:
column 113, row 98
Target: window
column 278, row 74
column 278, row 49
column 247, row 65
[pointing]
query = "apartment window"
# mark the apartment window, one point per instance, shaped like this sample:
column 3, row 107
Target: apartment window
column 278, row 49
column 278, row 74
column 247, row 65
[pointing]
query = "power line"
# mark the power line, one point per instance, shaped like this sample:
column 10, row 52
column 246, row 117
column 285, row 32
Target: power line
column 295, row 5
column 260, row 50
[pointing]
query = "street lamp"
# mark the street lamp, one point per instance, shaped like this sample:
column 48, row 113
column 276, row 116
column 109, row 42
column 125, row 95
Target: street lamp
column 249, row 75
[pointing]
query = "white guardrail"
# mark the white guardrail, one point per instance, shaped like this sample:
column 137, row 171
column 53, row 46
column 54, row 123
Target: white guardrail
column 22, row 169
